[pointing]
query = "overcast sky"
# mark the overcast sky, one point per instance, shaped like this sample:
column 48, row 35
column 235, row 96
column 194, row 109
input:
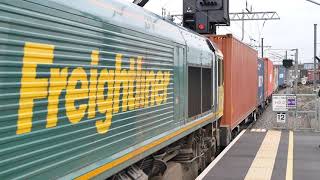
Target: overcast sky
column 294, row 30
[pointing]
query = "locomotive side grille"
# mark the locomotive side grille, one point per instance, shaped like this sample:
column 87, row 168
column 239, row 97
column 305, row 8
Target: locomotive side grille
column 73, row 93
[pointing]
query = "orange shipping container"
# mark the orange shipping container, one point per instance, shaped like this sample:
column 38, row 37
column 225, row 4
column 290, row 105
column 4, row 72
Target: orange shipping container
column 241, row 79
column 269, row 77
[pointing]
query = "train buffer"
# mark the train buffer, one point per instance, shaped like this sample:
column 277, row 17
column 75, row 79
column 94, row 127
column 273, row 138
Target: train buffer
column 259, row 154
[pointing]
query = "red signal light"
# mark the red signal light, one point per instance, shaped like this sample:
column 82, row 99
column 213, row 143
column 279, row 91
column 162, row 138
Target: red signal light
column 201, row 26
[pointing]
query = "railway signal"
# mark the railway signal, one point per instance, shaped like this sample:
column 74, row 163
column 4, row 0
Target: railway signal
column 287, row 63
column 203, row 16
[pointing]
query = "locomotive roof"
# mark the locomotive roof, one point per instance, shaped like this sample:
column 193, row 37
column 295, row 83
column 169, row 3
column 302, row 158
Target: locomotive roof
column 127, row 15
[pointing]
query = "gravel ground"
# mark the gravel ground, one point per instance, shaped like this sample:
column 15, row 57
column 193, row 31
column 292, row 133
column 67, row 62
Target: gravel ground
column 266, row 120
column 304, row 120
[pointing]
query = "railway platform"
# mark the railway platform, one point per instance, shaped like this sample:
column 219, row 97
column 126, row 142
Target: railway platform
column 260, row 154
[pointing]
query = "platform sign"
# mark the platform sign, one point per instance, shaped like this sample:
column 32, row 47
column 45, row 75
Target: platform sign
column 304, row 81
column 281, row 117
column 279, row 103
column 291, row 102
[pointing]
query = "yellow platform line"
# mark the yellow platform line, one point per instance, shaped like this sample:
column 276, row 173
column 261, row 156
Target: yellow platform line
column 262, row 165
column 289, row 173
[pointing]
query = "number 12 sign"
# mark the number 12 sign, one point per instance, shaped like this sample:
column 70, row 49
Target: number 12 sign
column 281, row 117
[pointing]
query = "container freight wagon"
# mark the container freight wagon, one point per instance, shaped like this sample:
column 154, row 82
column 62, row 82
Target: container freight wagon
column 281, row 77
column 275, row 78
column 311, row 76
column 241, row 80
column 91, row 89
column 269, row 80
column 260, row 98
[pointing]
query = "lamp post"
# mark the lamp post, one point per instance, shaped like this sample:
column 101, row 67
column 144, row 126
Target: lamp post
column 296, row 71
column 315, row 68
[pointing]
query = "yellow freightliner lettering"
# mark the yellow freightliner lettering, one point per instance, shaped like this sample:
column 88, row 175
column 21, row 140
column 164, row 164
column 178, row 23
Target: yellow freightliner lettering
column 32, row 88
column 103, row 81
column 165, row 86
column 93, row 84
column 150, row 85
column 121, row 82
column 87, row 91
column 143, row 86
column 95, row 57
column 146, row 90
column 124, row 82
column 118, row 79
column 105, row 103
column 58, row 82
column 158, row 88
column 132, row 76
column 138, row 84
column 73, row 94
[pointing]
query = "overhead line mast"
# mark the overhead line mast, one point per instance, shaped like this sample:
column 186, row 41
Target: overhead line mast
column 249, row 16
column 253, row 16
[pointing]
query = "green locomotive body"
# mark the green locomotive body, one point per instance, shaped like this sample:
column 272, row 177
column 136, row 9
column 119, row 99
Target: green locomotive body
column 90, row 87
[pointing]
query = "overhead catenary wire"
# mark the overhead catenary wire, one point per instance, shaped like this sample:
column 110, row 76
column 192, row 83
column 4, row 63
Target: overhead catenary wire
column 277, row 56
column 259, row 34
column 314, row 2
column 277, row 53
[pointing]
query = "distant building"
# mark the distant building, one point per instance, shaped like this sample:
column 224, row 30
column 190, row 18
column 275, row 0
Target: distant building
column 308, row 66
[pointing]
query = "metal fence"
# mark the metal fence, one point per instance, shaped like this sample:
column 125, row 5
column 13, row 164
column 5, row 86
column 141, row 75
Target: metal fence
column 307, row 113
column 305, row 117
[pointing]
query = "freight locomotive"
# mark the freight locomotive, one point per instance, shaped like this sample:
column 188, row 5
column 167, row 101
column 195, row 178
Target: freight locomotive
column 104, row 88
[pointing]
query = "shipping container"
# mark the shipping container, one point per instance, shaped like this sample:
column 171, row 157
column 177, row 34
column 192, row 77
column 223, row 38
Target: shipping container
column 268, row 76
column 260, row 81
column 241, row 79
column 311, row 76
column 281, row 76
column 275, row 77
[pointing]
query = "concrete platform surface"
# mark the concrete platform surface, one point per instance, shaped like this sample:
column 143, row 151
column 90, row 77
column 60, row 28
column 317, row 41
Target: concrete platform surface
column 258, row 154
